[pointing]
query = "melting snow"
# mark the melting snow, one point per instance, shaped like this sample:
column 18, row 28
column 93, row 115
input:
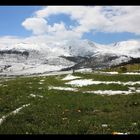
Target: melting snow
column 84, row 70
column 138, row 91
column 40, row 83
column 132, row 73
column 18, row 109
column 113, row 72
column 104, row 125
column 12, row 113
column 132, row 88
column 109, row 92
column 80, row 83
column 33, row 95
column 85, row 82
column 70, row 77
column 63, row 88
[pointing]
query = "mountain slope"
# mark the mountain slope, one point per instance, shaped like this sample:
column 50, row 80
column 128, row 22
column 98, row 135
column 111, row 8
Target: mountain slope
column 30, row 58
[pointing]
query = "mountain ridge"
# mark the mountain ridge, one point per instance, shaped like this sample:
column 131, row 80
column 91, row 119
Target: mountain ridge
column 27, row 58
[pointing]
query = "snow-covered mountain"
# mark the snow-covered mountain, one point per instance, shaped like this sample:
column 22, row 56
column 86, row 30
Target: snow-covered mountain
column 29, row 58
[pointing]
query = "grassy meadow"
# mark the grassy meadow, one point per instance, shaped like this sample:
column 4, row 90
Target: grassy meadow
column 68, row 112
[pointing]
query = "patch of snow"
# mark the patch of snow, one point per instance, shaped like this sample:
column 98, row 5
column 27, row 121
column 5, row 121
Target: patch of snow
column 85, row 82
column 2, row 119
column 12, row 113
column 63, row 88
column 40, row 83
column 70, row 77
column 132, row 88
column 109, row 92
column 138, row 91
column 104, row 125
column 33, row 95
column 42, row 80
column 84, row 70
column 113, row 72
column 80, row 83
column 18, row 109
column 131, row 73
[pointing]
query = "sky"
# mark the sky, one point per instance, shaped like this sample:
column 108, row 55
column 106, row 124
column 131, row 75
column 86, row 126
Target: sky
column 101, row 24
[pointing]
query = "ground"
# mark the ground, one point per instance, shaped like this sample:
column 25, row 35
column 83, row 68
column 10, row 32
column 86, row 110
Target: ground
column 40, row 109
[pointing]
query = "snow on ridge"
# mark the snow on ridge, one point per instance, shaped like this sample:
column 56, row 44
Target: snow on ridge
column 70, row 77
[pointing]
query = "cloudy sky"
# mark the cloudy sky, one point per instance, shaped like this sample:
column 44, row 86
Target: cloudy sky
column 101, row 24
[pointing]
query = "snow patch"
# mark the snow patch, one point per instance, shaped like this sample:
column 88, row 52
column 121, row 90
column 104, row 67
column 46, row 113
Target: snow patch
column 131, row 73
column 12, row 113
column 33, row 95
column 84, row 70
column 85, row 82
column 113, row 72
column 109, row 92
column 80, row 83
column 138, row 91
column 40, row 83
column 132, row 88
column 70, row 77
column 63, row 88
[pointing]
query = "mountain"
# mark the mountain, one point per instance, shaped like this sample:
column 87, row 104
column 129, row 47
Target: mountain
column 32, row 58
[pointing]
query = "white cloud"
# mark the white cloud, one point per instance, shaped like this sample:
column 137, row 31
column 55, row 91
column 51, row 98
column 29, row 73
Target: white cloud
column 9, row 40
column 37, row 25
column 110, row 19
column 89, row 18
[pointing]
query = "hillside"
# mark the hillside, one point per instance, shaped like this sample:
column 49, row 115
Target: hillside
column 26, row 58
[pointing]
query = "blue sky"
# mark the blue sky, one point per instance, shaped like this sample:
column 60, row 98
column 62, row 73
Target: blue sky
column 12, row 17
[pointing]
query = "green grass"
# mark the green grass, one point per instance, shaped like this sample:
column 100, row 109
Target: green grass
column 129, row 68
column 67, row 112
column 104, row 77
